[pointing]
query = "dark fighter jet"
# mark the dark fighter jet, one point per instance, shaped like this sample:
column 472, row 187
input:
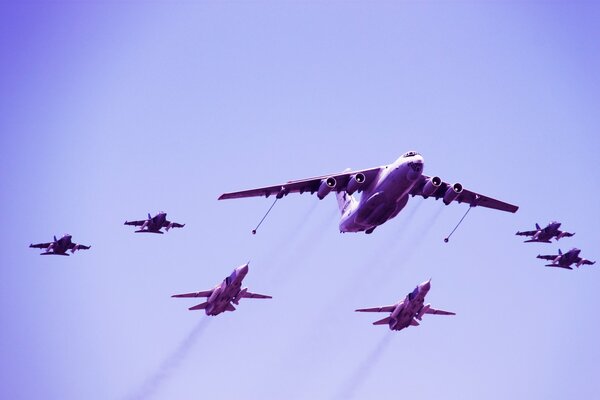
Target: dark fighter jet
column 545, row 235
column 60, row 246
column 565, row 260
column 155, row 224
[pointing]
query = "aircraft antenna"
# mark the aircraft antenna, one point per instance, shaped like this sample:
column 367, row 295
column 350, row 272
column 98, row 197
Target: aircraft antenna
column 447, row 238
column 265, row 216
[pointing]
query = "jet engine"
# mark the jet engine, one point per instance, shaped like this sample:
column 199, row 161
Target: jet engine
column 431, row 186
column 452, row 193
column 355, row 182
column 327, row 185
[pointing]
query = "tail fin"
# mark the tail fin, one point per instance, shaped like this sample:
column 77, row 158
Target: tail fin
column 559, row 252
column 537, row 226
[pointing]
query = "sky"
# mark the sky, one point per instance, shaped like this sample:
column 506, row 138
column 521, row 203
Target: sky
column 114, row 109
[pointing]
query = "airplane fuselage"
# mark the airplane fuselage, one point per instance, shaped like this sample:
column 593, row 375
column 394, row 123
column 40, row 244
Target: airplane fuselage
column 60, row 246
column 227, row 292
column 403, row 315
column 386, row 197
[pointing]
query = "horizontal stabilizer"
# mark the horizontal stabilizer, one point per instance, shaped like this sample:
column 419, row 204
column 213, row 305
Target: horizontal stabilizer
column 201, row 306
column 384, row 321
column 414, row 322
column 558, row 266
column 438, row 312
column 230, row 307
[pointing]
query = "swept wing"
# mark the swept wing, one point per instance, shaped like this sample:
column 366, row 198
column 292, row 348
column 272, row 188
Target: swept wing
column 310, row 185
column 465, row 196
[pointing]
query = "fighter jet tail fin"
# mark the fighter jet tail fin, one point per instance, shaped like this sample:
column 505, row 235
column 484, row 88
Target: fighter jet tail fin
column 201, row 306
column 384, row 321
column 537, row 226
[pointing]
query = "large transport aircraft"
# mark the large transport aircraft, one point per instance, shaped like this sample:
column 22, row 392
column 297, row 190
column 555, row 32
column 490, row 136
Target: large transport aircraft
column 385, row 191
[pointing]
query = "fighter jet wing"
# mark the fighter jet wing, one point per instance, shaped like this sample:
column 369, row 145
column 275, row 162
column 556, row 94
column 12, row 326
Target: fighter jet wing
column 438, row 312
column 526, row 233
column 174, row 224
column 310, row 185
column 205, row 293
column 548, row 257
column 250, row 295
column 587, row 262
column 40, row 245
column 465, row 196
column 135, row 223
column 378, row 309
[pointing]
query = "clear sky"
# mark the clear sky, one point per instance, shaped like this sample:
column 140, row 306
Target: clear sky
column 110, row 110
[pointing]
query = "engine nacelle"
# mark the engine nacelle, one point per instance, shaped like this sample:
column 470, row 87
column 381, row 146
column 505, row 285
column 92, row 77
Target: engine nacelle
column 327, row 185
column 355, row 182
column 452, row 193
column 431, row 186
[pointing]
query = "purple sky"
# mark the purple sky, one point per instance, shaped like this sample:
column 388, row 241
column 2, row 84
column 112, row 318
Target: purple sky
column 111, row 110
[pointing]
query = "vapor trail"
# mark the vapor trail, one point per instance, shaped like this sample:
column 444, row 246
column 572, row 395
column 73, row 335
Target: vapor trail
column 154, row 382
column 364, row 369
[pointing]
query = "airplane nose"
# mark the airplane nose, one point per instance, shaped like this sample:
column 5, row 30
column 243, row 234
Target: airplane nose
column 243, row 269
column 426, row 285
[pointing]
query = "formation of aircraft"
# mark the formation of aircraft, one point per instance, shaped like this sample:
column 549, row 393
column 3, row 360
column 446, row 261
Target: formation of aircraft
column 60, row 246
column 545, row 235
column 222, row 297
column 385, row 191
column 154, row 224
column 565, row 260
column 409, row 311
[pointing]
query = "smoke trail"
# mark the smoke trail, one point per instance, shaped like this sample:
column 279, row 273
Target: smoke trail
column 154, row 382
column 363, row 370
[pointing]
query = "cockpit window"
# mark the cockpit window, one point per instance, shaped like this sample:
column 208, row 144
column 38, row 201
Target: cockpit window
column 410, row 154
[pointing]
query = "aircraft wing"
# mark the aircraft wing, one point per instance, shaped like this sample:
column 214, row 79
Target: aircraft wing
column 438, row 312
column 587, row 262
column 466, row 196
column 250, row 295
column 174, row 224
column 40, row 245
column 205, row 293
column 526, row 233
column 548, row 257
column 135, row 223
column 80, row 247
column 310, row 185
column 378, row 309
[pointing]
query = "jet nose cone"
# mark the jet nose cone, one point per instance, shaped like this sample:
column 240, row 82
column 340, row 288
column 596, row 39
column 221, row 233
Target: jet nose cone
column 243, row 269
column 426, row 285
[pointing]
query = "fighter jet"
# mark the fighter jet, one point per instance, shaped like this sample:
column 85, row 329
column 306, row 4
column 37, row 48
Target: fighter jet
column 567, row 259
column 155, row 224
column 385, row 191
column 409, row 311
column 546, row 234
column 60, row 246
column 221, row 297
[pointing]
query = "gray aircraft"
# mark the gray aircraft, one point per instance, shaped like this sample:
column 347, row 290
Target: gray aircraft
column 60, row 246
column 221, row 297
column 385, row 191
column 154, row 224
column 545, row 235
column 409, row 311
column 565, row 260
